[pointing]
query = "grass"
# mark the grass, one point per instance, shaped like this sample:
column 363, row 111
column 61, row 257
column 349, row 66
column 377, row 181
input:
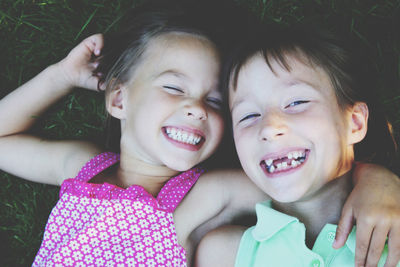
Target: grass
column 37, row 33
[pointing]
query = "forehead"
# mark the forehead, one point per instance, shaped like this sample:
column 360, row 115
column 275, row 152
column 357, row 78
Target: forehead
column 179, row 42
column 186, row 58
column 257, row 73
column 180, row 52
column 176, row 48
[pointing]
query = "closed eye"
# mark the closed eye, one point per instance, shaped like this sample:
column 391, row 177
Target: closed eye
column 173, row 90
column 214, row 102
column 296, row 103
column 249, row 116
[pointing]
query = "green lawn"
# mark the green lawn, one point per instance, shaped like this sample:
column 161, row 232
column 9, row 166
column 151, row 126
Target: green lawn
column 37, row 33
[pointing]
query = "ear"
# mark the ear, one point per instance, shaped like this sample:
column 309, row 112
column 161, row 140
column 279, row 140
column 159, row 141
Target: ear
column 115, row 102
column 358, row 122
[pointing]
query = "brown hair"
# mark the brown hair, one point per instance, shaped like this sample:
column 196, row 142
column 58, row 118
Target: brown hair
column 342, row 57
column 123, row 50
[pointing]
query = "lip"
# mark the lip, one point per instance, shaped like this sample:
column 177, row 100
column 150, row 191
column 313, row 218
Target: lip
column 184, row 145
column 282, row 154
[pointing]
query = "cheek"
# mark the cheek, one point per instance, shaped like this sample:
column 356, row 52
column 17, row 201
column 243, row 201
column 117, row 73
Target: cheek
column 328, row 135
column 243, row 146
column 245, row 150
column 321, row 118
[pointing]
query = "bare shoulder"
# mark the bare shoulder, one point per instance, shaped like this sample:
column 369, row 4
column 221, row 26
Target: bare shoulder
column 207, row 196
column 76, row 155
column 44, row 161
column 205, row 203
column 235, row 185
column 224, row 179
column 219, row 197
column 218, row 190
column 219, row 185
column 219, row 247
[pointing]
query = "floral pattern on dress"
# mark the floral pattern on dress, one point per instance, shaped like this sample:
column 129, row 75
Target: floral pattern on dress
column 105, row 225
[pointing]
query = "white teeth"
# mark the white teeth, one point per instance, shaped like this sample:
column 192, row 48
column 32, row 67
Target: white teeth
column 271, row 169
column 295, row 159
column 182, row 136
column 279, row 166
column 269, row 162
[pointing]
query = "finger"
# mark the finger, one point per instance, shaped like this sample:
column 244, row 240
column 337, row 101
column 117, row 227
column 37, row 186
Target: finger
column 376, row 245
column 101, row 86
column 95, row 64
column 393, row 257
column 344, row 227
column 91, row 44
column 363, row 236
column 95, row 43
column 92, row 83
column 92, row 67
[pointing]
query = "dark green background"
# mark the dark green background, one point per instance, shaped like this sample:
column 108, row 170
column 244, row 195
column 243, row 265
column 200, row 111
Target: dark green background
column 34, row 34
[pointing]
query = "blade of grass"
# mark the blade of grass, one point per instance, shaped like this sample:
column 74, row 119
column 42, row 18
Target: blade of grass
column 112, row 24
column 85, row 25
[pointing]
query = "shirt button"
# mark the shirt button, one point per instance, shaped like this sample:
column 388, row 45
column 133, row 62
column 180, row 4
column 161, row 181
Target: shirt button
column 315, row 263
column 331, row 236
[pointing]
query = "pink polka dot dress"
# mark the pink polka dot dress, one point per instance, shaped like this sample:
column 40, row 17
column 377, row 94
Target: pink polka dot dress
column 105, row 225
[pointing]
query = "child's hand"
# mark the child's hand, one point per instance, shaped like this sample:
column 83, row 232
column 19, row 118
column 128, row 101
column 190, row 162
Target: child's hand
column 77, row 68
column 375, row 205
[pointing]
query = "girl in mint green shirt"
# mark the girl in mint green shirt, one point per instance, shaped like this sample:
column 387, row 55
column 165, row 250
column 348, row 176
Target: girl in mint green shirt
column 300, row 101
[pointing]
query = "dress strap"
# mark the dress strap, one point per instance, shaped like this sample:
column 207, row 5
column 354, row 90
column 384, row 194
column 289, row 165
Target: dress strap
column 176, row 189
column 97, row 165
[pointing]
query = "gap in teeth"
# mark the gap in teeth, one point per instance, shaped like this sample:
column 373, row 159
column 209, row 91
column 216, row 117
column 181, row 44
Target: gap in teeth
column 183, row 136
column 295, row 159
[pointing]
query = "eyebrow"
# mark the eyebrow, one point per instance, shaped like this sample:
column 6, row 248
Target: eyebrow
column 235, row 104
column 295, row 81
column 290, row 83
column 172, row 72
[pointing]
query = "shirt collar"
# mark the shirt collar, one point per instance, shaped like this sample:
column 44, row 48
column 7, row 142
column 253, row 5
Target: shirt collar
column 269, row 221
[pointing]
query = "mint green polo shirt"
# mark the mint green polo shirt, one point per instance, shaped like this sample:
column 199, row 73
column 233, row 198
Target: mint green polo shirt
column 279, row 240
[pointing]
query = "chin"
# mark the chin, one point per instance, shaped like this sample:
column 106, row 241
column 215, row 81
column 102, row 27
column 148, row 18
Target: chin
column 286, row 197
column 179, row 165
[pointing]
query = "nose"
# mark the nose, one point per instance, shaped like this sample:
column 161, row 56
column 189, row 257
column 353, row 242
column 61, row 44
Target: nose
column 195, row 110
column 273, row 126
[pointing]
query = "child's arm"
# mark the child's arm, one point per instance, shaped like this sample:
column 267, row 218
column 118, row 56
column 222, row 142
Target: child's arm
column 30, row 157
column 375, row 206
column 219, row 247
column 374, row 203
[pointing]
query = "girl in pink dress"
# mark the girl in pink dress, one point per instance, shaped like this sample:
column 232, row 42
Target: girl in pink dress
column 161, row 82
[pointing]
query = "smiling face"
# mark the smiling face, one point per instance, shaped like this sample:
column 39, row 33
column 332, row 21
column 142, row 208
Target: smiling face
column 290, row 134
column 170, row 111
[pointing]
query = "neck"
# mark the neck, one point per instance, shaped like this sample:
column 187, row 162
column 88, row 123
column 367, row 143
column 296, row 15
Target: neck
column 134, row 171
column 323, row 207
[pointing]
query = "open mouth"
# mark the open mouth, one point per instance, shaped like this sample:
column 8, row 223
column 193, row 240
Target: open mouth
column 289, row 161
column 183, row 136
